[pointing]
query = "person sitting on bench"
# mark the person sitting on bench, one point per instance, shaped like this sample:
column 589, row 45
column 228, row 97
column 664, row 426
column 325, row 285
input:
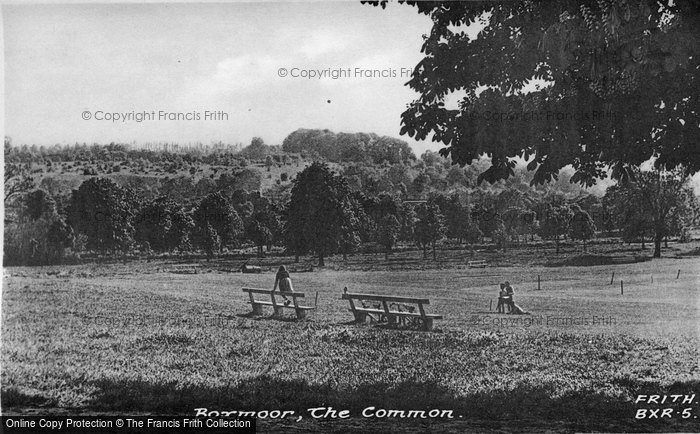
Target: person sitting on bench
column 285, row 283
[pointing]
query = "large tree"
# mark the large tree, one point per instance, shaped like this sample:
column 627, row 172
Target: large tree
column 263, row 225
column 215, row 213
column 378, row 209
column 581, row 226
column 388, row 233
column 164, row 224
column 17, row 177
column 618, row 82
column 456, row 214
column 626, row 213
column 320, row 215
column 257, row 150
column 58, row 237
column 104, row 212
column 39, row 203
column 662, row 199
column 430, row 227
column 17, row 180
column 554, row 224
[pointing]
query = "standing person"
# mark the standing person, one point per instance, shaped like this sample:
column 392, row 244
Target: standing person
column 509, row 292
column 502, row 299
column 285, row 283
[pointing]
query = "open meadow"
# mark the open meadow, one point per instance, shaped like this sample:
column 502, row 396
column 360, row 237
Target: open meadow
column 138, row 338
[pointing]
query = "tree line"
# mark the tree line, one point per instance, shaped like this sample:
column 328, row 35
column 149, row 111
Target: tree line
column 341, row 147
column 324, row 215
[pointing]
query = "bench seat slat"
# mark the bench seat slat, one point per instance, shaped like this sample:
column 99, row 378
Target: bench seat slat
column 367, row 310
column 391, row 299
column 267, row 303
column 397, row 313
column 269, row 291
column 427, row 315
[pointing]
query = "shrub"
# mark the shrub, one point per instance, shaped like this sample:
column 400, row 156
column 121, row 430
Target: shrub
column 39, row 242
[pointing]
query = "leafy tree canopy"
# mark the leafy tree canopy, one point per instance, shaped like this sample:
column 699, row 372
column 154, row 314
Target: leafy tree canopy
column 555, row 222
column 660, row 202
column 257, row 150
column 164, row 224
column 215, row 213
column 17, row 176
column 322, row 215
column 344, row 147
column 39, row 203
column 619, row 85
column 582, row 226
column 429, row 227
column 104, row 212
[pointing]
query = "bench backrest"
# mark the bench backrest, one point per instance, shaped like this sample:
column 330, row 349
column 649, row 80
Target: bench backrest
column 387, row 298
column 270, row 292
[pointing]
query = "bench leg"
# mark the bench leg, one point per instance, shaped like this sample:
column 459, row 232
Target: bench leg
column 301, row 313
column 428, row 324
column 278, row 311
column 360, row 317
column 257, row 309
column 392, row 320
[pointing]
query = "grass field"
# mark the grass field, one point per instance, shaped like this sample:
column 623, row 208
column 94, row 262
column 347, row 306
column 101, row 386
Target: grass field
column 135, row 338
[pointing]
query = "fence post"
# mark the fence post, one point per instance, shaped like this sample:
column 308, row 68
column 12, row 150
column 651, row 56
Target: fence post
column 679, row 274
column 538, row 282
column 612, row 278
column 622, row 288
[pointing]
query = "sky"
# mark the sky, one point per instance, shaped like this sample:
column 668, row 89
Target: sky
column 208, row 72
column 69, row 68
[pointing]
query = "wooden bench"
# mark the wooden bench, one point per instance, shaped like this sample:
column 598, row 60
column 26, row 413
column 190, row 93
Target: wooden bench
column 623, row 259
column 476, row 264
column 277, row 304
column 390, row 309
column 182, row 268
column 251, row 269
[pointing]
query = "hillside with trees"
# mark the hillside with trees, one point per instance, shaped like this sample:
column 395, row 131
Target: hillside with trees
column 66, row 204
